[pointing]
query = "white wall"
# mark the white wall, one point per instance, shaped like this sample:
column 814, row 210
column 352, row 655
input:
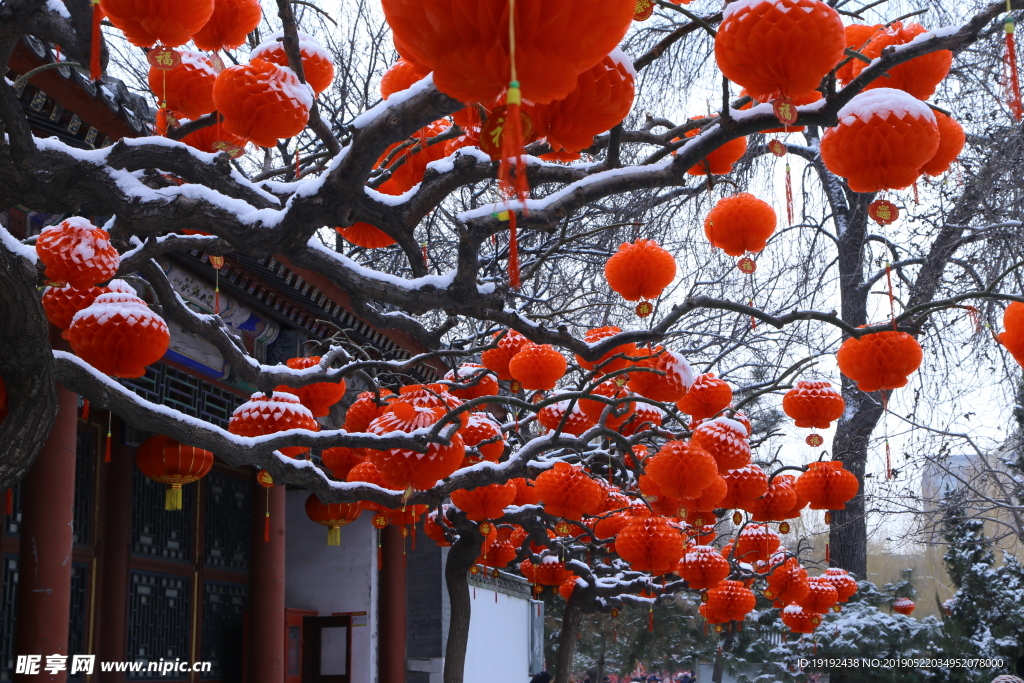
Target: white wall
column 332, row 579
column 499, row 638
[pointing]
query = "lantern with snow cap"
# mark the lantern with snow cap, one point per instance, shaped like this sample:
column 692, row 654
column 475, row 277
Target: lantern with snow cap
column 663, row 375
column 119, row 335
column 318, row 396
column 263, row 414
column 78, row 253
column 317, row 63
column 262, row 102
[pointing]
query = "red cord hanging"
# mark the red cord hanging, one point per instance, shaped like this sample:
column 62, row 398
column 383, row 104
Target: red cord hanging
column 95, row 70
column 1010, row 66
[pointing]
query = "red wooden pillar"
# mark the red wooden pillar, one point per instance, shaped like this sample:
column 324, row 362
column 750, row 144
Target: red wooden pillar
column 44, row 571
column 391, row 632
column 266, row 589
column 114, row 548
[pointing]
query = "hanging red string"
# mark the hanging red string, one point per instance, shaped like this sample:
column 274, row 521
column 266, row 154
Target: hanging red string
column 1010, row 67
column 650, row 619
column 266, row 521
column 85, row 409
column 513, row 251
column 9, row 506
column 892, row 297
column 888, row 461
column 106, row 451
column 95, row 70
column 828, row 556
column 789, row 194
column 161, row 120
column 512, row 170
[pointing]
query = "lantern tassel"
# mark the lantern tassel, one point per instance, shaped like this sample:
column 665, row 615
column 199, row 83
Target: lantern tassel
column 380, row 553
column 95, row 71
column 161, row 120
column 172, row 498
column 650, row 619
column 828, row 555
column 512, row 169
column 1010, row 65
column 334, row 535
column 85, row 410
column 9, row 502
column 106, row 450
column 266, row 528
column 789, row 194
column 513, row 252
column 216, row 292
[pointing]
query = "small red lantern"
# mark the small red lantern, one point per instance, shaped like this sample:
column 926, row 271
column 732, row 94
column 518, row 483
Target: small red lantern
column 739, row 224
column 618, row 413
column 800, row 620
column 662, row 375
column 726, row 440
column 118, row 335
column 434, row 527
column 215, row 139
column 815, row 405
column 745, row 484
column 167, row 461
column 471, row 381
column 400, row 76
column 332, row 515
column 62, row 303
column 682, row 469
column 484, row 434
column 406, row 469
column 551, row 417
column 263, row 414
column 883, row 360
column 845, row 584
column 903, row 606
column 364, row 411
column 776, row 503
column 826, row 485
column 919, row 76
column 756, row 542
column 567, row 491
column 651, row 545
column 787, row 583
column 607, row 364
column 319, row 396
column 821, row 595
column 497, row 359
column 729, row 601
column 703, row 567
column 641, row 270
column 78, row 253
column 720, row 160
column 187, row 89
column 340, row 460
column 484, row 502
column 951, row 143
column 148, row 22
column 537, row 367
column 707, row 397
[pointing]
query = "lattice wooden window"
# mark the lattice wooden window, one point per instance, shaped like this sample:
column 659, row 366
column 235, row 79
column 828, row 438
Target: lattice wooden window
column 227, row 522
column 223, row 607
column 157, row 532
column 159, row 616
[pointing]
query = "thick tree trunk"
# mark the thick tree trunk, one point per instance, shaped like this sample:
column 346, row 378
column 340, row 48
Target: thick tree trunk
column 571, row 619
column 461, row 558
column 719, row 670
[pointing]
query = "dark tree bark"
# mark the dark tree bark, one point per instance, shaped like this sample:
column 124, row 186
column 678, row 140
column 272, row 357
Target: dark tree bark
column 461, row 558
column 571, row 619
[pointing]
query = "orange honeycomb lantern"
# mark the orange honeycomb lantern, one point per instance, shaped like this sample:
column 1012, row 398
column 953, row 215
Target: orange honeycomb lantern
column 883, row 140
column 821, row 595
column 800, row 620
column 485, row 502
column 332, row 515
column 739, row 224
column 951, row 143
column 720, row 160
column 644, row 417
column 845, row 585
column 703, row 567
column 729, row 601
column 618, row 413
column 118, row 335
column 607, row 363
column 552, row 416
column 484, row 434
column 1013, row 335
column 364, row 411
column 787, row 583
column 919, row 76
column 262, row 102
column 537, row 367
column 756, row 542
column 640, row 270
column 744, row 485
column 779, row 48
column 319, row 396
column 429, row 396
column 826, row 485
column 650, row 545
column 317, row 63
column 883, row 360
column 857, row 38
column 340, row 460
column 726, row 440
column 700, row 510
column 567, row 491
column 707, row 397
column 776, row 503
column 400, row 76
column 551, row 572
column 497, row 359
column 435, row 528
column 168, row 461
column 500, row 552
column 813, row 404
column 187, row 89
column 407, row 469
column 62, row 303
column 470, row 57
column 148, row 22
column 526, row 494
column 567, row 587
column 263, row 414
column 662, row 375
column 78, row 253
column 471, row 380
column 682, row 469
column 800, row 503
column 229, row 25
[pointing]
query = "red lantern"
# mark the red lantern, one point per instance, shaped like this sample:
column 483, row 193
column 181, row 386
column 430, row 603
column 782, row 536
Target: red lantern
column 799, row 100
column 261, row 102
column 537, row 367
column 606, row 364
column 366, row 472
column 707, row 397
column 406, row 469
column 471, row 381
column 919, row 76
column 776, row 503
column 1013, row 337
column 215, row 139
column 317, row 63
column 844, row 584
column 951, row 143
column 644, row 417
column 700, row 510
column 566, row 589
column 364, row 411
column 883, row 360
column 400, row 76
column 857, row 38
column 500, row 552
column 800, row 620
column 779, row 48
column 756, row 542
column 187, row 89
column 551, row 572
column 62, row 303
column 726, row 440
column 813, row 404
column 148, row 22
column 651, row 545
column 903, row 606
column 744, row 485
column 720, row 160
column 263, row 414
column 729, row 601
column 434, row 527
column 484, row 502
column 883, row 140
column 484, row 434
column 787, row 583
column 497, row 359
column 332, row 515
column 526, row 494
column 229, row 25
column 118, row 335
column 470, row 57
column 800, row 503
column 601, row 99
column 663, row 375
column 429, row 396
column 319, row 396
column 617, row 413
column 739, row 224
column 167, row 461
column 340, row 460
column 682, row 469
column 821, row 595
column 567, row 491
column 826, row 485
column 78, row 253
column 703, row 567
column 641, row 270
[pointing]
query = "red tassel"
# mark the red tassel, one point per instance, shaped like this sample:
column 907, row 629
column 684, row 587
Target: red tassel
column 85, row 409
column 513, row 251
column 650, row 620
column 10, row 502
column 95, row 71
column 266, row 528
column 161, row 121
column 789, row 195
column 106, row 451
column 1010, row 66
column 380, row 553
column 828, row 555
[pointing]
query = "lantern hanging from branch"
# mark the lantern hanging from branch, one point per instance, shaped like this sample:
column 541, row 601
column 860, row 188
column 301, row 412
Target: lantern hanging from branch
column 187, row 89
column 740, row 224
column 332, row 515
column 318, row 396
column 167, row 461
column 78, row 253
column 279, row 412
column 640, row 270
column 229, row 25
column 148, row 22
column 883, row 360
column 118, row 335
column 317, row 63
column 706, row 398
column 262, row 102
column 813, row 404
